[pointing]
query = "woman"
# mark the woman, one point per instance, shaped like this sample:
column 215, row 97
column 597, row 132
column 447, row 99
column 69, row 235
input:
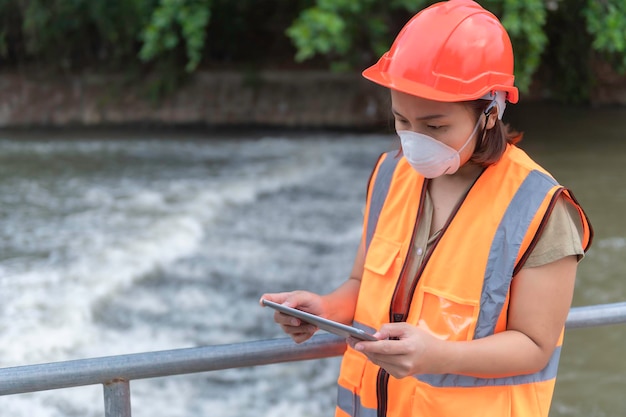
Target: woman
column 468, row 259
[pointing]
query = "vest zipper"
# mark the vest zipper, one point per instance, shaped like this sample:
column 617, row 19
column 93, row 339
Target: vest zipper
column 382, row 382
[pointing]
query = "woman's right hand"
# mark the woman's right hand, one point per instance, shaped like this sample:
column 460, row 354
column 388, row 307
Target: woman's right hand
column 312, row 303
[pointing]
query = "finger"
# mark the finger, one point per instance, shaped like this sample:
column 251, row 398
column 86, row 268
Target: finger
column 287, row 320
column 393, row 331
column 301, row 337
column 381, row 347
column 351, row 341
column 303, row 328
column 301, row 300
column 302, row 333
column 278, row 297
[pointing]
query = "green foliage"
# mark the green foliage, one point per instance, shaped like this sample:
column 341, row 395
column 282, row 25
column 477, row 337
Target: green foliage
column 337, row 29
column 174, row 25
column 566, row 69
column 117, row 24
column 349, row 32
column 5, row 23
column 606, row 21
column 555, row 41
column 318, row 31
column 71, row 33
column 334, row 28
column 173, row 21
column 524, row 21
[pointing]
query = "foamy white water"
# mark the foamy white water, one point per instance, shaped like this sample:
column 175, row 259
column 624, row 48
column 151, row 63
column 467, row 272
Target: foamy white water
column 120, row 246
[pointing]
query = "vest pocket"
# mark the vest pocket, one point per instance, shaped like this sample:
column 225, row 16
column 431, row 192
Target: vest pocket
column 446, row 318
column 381, row 255
column 352, row 368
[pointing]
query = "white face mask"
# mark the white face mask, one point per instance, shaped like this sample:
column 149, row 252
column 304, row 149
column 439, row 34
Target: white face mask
column 430, row 157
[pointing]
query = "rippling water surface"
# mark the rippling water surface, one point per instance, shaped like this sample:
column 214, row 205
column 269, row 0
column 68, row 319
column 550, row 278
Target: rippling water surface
column 116, row 243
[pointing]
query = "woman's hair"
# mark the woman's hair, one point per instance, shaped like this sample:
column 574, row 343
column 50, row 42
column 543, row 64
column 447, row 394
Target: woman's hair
column 492, row 143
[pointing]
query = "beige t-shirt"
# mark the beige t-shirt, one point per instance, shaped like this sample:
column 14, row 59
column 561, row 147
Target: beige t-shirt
column 561, row 237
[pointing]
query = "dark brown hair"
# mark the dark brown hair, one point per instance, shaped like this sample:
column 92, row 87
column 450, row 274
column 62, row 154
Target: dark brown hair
column 491, row 143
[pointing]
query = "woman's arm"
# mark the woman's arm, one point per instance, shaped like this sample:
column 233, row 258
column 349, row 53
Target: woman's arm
column 540, row 301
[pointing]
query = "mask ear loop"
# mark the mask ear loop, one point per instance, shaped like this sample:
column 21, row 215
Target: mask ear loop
column 490, row 107
column 487, row 112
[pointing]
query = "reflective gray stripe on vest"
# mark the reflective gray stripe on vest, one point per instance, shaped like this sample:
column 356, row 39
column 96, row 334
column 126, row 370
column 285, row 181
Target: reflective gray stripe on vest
column 379, row 194
column 453, row 380
column 505, row 248
column 498, row 275
column 350, row 403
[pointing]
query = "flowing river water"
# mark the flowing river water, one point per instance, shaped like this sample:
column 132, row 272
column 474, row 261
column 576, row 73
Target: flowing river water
column 117, row 242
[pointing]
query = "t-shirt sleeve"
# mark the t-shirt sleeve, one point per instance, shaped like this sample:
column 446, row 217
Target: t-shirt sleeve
column 561, row 237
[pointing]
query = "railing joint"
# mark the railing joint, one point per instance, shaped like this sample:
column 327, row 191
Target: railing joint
column 117, row 398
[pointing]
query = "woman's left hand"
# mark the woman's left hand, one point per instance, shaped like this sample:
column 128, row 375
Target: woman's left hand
column 402, row 350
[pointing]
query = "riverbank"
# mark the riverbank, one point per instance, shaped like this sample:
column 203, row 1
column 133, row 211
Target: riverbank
column 288, row 99
column 311, row 99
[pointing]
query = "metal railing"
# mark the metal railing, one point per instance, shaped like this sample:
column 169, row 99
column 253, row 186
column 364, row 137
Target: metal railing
column 116, row 372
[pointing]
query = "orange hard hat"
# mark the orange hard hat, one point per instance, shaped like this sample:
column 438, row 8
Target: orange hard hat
column 450, row 51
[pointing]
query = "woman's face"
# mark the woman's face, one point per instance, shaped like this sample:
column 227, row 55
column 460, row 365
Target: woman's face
column 450, row 123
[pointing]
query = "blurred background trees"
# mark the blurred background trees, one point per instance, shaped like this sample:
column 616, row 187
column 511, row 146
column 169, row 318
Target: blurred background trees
column 556, row 42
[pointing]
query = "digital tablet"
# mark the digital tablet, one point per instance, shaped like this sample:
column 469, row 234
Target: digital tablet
column 330, row 326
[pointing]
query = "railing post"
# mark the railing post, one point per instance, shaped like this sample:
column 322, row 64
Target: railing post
column 117, row 398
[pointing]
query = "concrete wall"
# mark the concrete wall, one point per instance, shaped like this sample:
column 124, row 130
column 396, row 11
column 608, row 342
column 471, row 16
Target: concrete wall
column 293, row 99
column 317, row 99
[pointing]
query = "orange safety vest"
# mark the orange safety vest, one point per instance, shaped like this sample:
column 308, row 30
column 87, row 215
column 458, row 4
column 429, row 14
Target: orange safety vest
column 461, row 291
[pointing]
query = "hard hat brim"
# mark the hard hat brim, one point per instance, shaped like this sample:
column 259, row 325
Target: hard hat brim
column 403, row 85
